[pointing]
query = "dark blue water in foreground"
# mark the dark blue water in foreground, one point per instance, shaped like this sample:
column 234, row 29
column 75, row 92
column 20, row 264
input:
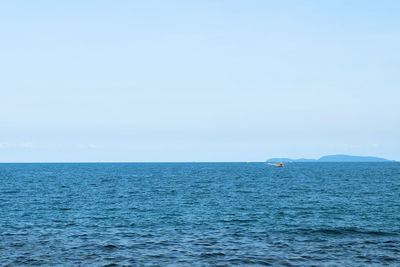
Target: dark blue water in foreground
column 200, row 214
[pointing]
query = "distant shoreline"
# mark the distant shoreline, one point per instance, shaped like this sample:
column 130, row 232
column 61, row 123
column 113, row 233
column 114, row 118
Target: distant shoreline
column 334, row 158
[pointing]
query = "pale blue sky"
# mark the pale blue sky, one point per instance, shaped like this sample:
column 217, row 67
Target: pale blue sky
column 198, row 80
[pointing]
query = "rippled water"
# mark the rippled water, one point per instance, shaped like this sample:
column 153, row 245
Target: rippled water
column 200, row 214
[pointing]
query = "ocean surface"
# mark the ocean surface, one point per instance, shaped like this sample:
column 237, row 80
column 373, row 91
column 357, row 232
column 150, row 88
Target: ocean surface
column 199, row 214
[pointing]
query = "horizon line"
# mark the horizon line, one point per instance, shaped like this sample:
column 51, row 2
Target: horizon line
column 79, row 162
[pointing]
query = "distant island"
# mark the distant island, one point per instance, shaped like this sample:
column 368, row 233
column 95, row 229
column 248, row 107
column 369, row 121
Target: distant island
column 333, row 158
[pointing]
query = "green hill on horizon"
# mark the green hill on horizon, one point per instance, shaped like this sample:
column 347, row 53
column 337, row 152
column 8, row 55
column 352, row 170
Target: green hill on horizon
column 333, row 158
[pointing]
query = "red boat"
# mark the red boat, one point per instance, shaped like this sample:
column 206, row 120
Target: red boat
column 280, row 164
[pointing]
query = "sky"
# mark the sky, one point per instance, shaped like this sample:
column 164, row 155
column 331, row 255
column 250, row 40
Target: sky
column 208, row 80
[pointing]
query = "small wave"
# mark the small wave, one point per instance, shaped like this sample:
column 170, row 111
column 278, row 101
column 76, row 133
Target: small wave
column 345, row 231
column 156, row 255
column 210, row 255
column 109, row 247
column 387, row 258
column 11, row 191
column 18, row 244
column 236, row 261
column 238, row 220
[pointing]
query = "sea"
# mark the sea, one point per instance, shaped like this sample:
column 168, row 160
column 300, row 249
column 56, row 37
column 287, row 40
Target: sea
column 200, row 214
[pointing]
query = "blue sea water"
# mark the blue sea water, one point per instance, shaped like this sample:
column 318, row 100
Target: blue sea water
column 146, row 214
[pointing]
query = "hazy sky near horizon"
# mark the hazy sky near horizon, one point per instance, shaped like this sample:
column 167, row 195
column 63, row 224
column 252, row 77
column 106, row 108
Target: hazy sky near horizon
column 198, row 80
